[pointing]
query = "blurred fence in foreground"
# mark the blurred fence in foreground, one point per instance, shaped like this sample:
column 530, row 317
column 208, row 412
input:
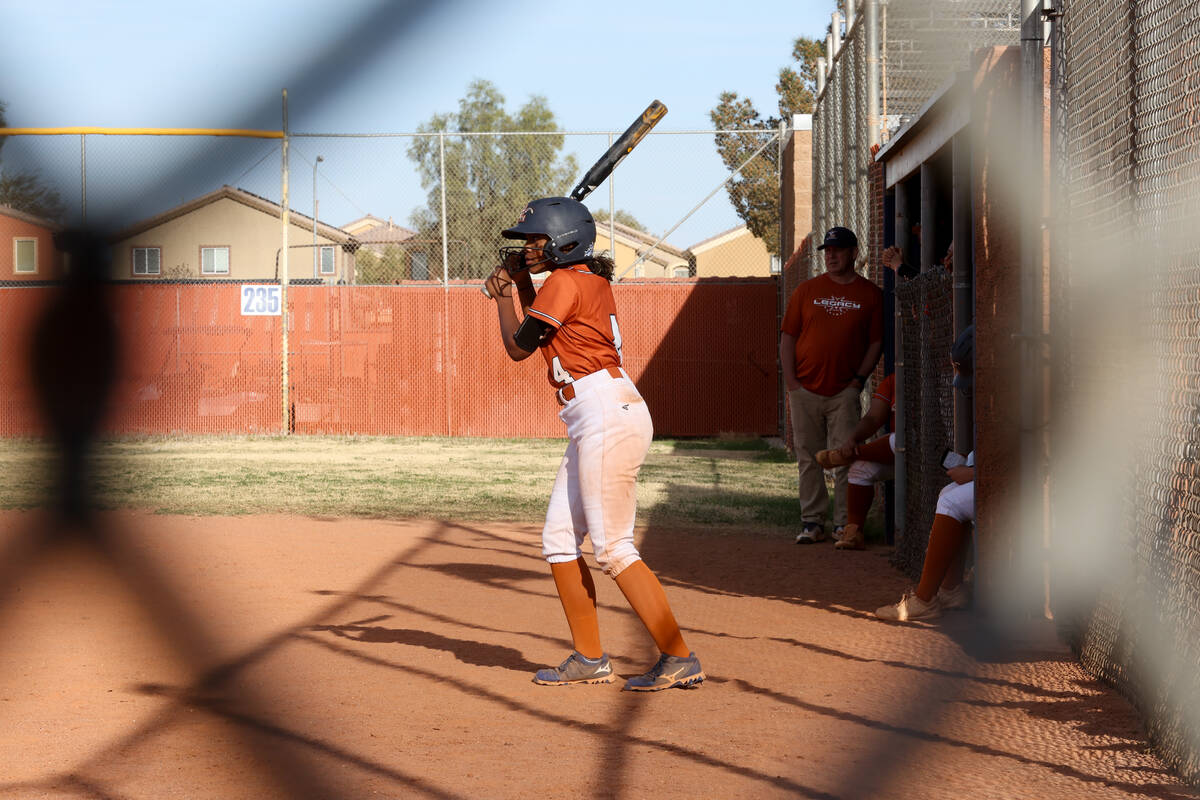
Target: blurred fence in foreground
column 1126, row 476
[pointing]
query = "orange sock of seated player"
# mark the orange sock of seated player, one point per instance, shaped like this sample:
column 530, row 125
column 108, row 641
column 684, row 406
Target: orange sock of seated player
column 577, row 591
column 648, row 600
column 945, row 541
column 858, row 503
column 954, row 575
column 878, row 451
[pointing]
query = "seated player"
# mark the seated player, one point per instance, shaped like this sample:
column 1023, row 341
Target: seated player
column 870, row 462
column 941, row 586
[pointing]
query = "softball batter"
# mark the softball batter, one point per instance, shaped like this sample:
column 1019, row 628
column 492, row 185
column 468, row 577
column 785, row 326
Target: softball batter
column 573, row 321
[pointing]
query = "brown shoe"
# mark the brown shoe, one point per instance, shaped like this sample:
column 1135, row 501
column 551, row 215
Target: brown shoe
column 852, row 539
column 828, row 459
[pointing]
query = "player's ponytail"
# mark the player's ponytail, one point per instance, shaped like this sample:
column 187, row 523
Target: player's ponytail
column 602, row 265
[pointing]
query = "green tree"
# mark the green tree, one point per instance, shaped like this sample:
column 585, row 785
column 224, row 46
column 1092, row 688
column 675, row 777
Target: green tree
column 621, row 217
column 25, row 191
column 489, row 179
column 754, row 193
column 371, row 267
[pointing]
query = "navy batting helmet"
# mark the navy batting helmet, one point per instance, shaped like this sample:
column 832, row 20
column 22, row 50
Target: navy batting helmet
column 565, row 222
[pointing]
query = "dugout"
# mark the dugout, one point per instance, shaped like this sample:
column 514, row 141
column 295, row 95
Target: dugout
column 947, row 176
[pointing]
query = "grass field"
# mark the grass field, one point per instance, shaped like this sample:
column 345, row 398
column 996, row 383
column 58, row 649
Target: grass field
column 745, row 482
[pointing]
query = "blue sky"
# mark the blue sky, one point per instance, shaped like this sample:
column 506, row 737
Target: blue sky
column 370, row 66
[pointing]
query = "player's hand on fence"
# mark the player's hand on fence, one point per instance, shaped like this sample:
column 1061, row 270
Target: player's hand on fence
column 498, row 284
column 892, row 258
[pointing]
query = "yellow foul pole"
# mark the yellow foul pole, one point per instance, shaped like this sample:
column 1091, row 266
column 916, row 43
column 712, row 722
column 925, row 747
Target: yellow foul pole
column 88, row 131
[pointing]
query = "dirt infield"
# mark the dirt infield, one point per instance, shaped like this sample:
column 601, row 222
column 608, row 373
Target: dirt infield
column 357, row 658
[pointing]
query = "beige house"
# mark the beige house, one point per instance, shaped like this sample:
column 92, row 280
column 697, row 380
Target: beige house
column 628, row 244
column 27, row 248
column 734, row 253
column 389, row 253
column 230, row 234
column 364, row 224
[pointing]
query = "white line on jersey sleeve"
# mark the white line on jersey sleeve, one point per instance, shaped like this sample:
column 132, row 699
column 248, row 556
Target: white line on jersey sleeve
column 556, row 323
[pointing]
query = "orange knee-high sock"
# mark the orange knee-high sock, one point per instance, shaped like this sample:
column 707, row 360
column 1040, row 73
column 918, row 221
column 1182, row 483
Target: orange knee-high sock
column 954, row 575
column 878, row 451
column 648, row 600
column 945, row 540
column 577, row 591
column 858, row 503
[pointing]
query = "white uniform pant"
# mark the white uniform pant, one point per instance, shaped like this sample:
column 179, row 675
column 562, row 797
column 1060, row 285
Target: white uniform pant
column 958, row 501
column 869, row 473
column 595, row 493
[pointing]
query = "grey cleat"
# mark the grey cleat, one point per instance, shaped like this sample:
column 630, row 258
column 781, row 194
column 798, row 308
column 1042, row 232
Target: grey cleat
column 667, row 673
column 578, row 668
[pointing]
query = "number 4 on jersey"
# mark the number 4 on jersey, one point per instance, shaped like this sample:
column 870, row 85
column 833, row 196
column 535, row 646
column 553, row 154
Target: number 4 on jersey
column 562, row 376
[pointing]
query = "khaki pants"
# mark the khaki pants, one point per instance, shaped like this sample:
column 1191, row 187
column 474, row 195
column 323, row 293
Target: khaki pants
column 819, row 423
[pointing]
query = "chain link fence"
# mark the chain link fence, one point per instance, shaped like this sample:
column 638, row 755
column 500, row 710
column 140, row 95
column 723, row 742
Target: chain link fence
column 921, row 45
column 664, row 214
column 927, row 333
column 390, row 237
column 1126, row 84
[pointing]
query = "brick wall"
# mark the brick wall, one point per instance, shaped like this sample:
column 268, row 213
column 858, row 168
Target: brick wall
column 795, row 195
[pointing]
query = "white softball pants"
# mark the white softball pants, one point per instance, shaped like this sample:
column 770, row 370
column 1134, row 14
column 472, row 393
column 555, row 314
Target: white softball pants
column 595, row 493
column 869, row 473
column 957, row 500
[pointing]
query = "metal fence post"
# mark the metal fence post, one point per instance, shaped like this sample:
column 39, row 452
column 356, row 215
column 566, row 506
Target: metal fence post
column 871, row 24
column 612, row 210
column 83, row 176
column 445, row 285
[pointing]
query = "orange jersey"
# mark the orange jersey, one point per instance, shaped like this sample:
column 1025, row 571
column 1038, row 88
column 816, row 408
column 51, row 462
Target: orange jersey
column 579, row 305
column 833, row 324
column 886, row 391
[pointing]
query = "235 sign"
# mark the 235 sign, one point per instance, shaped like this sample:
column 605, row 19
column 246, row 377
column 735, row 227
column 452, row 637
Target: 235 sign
column 260, row 301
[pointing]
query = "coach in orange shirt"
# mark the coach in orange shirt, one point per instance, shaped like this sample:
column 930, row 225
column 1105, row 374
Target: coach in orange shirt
column 831, row 338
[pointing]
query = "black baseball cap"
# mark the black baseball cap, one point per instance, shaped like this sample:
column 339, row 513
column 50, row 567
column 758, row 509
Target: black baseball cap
column 839, row 237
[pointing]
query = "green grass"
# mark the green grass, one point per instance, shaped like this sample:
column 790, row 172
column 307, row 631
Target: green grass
column 710, row 482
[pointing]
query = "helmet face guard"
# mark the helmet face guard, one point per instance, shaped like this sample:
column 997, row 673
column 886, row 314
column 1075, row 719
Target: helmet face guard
column 512, row 258
column 565, row 222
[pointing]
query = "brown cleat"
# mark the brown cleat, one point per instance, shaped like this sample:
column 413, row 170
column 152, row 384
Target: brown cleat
column 852, row 539
column 828, row 459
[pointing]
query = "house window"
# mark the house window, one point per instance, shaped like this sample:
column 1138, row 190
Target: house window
column 25, row 255
column 214, row 260
column 639, row 271
column 327, row 267
column 147, row 261
column 681, row 272
column 775, row 265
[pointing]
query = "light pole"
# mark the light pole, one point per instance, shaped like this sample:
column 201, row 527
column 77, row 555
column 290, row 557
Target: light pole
column 316, row 250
